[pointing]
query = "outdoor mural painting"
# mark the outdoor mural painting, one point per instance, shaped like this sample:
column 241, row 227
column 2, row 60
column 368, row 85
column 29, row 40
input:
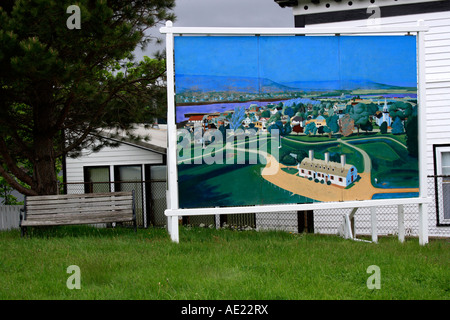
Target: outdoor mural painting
column 336, row 116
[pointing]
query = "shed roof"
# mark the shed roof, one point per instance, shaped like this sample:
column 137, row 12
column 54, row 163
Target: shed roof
column 155, row 139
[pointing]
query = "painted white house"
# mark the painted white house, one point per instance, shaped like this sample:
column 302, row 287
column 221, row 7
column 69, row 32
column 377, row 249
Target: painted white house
column 385, row 117
column 395, row 13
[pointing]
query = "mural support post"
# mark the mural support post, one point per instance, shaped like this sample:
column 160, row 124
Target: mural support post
column 172, row 179
column 401, row 223
column 422, row 126
column 374, row 225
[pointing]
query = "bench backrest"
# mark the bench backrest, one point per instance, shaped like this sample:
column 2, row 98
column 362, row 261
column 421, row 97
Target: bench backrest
column 79, row 208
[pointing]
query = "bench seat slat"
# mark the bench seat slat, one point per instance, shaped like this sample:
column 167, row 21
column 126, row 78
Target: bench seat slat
column 71, row 196
column 56, row 207
column 75, row 210
column 84, row 218
column 37, row 202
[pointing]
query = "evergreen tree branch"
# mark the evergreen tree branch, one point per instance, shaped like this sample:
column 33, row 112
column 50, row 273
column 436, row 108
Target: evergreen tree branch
column 11, row 164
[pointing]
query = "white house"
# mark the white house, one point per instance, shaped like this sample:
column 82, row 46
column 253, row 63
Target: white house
column 436, row 15
column 133, row 165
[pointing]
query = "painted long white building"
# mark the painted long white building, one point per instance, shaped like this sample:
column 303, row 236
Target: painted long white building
column 332, row 173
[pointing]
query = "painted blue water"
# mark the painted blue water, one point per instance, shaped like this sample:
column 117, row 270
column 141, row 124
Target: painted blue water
column 395, row 195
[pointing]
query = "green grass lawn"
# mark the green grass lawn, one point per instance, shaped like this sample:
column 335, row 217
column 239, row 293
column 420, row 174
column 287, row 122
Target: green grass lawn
column 217, row 265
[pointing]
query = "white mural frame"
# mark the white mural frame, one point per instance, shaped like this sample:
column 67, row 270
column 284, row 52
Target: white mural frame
column 174, row 213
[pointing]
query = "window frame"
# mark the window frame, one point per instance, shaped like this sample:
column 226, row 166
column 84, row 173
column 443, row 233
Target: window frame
column 86, row 179
column 439, row 150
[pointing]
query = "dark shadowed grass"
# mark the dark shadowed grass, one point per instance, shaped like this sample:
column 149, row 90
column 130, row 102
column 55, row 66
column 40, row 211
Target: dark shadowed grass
column 217, row 264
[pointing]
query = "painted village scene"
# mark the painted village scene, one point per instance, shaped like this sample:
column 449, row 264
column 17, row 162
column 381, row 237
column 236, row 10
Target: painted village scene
column 344, row 112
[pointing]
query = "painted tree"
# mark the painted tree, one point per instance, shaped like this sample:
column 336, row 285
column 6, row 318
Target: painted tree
column 287, row 128
column 59, row 86
column 280, row 130
column 383, row 127
column 237, row 117
column 274, row 117
column 360, row 115
column 265, row 114
column 397, row 126
column 320, row 130
column 368, row 126
column 311, row 129
column 277, row 125
column 327, row 130
column 401, row 110
column 346, row 125
column 412, row 133
column 288, row 111
column 332, row 123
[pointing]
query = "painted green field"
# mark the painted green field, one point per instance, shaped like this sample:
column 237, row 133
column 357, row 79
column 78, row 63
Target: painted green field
column 228, row 185
column 392, row 166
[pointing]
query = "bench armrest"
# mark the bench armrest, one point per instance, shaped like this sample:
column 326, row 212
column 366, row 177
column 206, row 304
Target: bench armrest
column 23, row 211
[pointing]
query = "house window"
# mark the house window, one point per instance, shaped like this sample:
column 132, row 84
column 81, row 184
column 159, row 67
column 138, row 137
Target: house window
column 128, row 178
column 96, row 179
column 442, row 184
column 340, row 179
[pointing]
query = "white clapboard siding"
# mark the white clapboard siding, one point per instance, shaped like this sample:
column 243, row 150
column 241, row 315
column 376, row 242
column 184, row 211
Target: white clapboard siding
column 437, row 57
column 125, row 154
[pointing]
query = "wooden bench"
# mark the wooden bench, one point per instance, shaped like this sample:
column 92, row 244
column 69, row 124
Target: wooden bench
column 73, row 209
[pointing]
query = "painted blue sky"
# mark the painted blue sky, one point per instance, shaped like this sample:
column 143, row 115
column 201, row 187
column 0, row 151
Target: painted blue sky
column 285, row 59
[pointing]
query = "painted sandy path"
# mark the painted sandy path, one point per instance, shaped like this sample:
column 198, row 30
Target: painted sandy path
column 362, row 190
column 366, row 157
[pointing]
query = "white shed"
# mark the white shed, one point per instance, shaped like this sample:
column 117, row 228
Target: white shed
column 133, row 165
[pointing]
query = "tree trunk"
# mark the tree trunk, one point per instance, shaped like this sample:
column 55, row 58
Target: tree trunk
column 44, row 174
column 44, row 164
